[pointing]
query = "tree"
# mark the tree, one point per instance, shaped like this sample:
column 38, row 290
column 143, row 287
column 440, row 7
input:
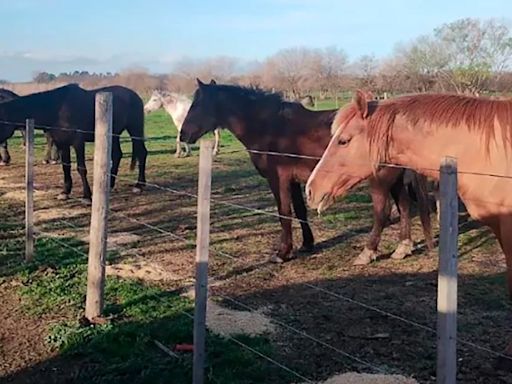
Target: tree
column 44, row 77
column 330, row 67
column 366, row 70
column 290, row 69
column 475, row 50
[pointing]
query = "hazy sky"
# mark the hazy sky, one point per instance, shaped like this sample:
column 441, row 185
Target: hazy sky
column 109, row 35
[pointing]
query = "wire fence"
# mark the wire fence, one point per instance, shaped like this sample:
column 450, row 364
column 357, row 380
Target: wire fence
column 219, row 201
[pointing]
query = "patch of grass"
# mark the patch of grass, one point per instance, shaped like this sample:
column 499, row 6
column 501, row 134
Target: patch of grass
column 123, row 349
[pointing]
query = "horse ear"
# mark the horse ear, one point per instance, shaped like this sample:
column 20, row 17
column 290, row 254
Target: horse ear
column 213, row 82
column 362, row 103
column 200, row 83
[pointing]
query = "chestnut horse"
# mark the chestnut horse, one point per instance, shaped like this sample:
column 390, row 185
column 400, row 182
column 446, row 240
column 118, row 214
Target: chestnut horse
column 417, row 131
column 264, row 122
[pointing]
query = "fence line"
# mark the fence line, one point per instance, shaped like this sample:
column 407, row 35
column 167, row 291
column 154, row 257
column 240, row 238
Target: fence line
column 240, row 206
column 269, row 359
column 314, row 287
column 306, row 335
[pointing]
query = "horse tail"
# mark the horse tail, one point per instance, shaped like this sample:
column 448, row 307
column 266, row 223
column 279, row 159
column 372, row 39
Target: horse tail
column 419, row 184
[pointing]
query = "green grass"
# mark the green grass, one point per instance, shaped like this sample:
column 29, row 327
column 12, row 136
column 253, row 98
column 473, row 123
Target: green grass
column 122, row 350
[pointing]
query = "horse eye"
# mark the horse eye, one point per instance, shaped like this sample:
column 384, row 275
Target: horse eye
column 343, row 141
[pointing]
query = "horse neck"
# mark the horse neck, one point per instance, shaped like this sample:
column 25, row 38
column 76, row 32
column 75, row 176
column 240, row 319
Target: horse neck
column 239, row 123
column 424, row 148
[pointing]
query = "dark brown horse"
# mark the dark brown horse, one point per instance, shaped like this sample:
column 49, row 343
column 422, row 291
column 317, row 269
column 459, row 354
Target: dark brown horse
column 265, row 122
column 70, row 111
column 52, row 154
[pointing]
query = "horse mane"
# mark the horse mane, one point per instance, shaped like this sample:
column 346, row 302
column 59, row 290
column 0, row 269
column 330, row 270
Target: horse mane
column 437, row 111
column 256, row 95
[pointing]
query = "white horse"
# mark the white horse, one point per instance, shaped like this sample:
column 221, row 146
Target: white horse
column 177, row 107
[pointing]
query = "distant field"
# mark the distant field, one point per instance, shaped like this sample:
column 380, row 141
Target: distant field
column 45, row 298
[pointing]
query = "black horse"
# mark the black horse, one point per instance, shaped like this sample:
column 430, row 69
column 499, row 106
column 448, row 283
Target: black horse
column 5, row 157
column 264, row 122
column 52, row 155
column 70, row 111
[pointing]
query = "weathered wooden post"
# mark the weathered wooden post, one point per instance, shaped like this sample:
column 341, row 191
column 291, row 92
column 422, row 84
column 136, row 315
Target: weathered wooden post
column 29, row 189
column 202, row 249
column 447, row 274
column 100, row 203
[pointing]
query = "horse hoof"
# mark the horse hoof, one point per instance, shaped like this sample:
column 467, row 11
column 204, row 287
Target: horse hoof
column 3, row 163
column 365, row 257
column 404, row 249
column 46, row 162
column 276, row 259
column 63, row 196
column 306, row 249
column 137, row 190
column 86, row 200
column 54, row 162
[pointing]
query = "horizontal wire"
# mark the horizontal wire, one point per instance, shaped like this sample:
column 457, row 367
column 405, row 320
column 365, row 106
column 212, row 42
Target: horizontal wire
column 269, row 359
column 306, row 335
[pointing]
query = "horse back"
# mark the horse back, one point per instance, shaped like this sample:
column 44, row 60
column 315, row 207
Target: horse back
column 128, row 109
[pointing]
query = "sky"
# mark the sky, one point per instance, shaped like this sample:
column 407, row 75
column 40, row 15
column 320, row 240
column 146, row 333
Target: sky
column 112, row 35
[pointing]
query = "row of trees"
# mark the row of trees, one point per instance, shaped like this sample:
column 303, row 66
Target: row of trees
column 465, row 56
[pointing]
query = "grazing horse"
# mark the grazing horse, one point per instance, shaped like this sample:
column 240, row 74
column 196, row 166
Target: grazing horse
column 417, row 131
column 70, row 111
column 52, row 154
column 264, row 123
column 176, row 106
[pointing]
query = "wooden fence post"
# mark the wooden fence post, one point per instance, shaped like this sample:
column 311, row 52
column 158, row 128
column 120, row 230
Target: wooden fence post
column 29, row 185
column 447, row 274
column 202, row 249
column 99, row 210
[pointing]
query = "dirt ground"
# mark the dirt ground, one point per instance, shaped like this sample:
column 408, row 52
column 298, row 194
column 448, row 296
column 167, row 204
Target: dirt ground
column 317, row 294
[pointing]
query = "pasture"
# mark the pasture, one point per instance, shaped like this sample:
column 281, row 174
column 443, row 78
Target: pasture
column 43, row 338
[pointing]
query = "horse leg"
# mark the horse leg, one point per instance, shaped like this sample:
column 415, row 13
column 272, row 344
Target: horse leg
column 302, row 214
column 402, row 201
column 281, row 190
column 380, row 199
column 142, row 154
column 5, row 157
column 48, row 153
column 187, row 149
column 117, row 155
column 216, row 147
column 503, row 231
column 54, row 151
column 82, row 170
column 66, row 169
column 23, row 136
column 178, row 146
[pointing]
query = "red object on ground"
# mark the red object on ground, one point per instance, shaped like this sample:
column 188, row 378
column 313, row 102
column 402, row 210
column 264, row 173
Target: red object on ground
column 184, row 348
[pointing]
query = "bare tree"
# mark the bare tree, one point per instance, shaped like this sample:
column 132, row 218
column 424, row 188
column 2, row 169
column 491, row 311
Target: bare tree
column 331, row 66
column 475, row 50
column 366, row 70
column 290, row 70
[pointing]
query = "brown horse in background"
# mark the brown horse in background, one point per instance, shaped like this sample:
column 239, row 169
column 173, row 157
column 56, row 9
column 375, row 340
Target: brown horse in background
column 264, row 122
